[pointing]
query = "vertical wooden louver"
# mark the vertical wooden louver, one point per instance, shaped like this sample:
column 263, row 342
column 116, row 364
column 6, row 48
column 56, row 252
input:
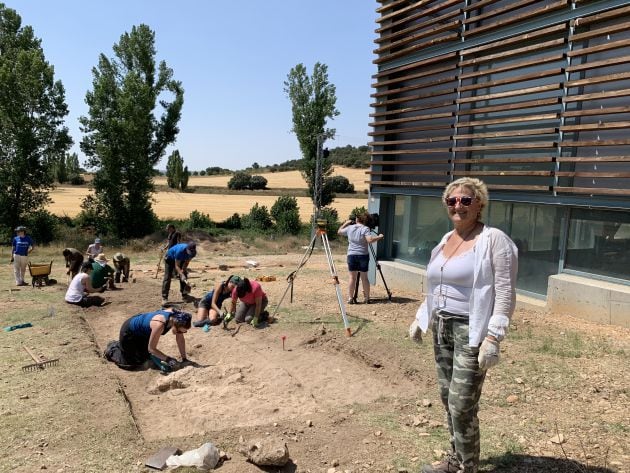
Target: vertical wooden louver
column 528, row 95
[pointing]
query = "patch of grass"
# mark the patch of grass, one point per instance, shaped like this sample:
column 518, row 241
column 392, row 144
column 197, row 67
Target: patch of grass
column 618, row 427
column 570, row 346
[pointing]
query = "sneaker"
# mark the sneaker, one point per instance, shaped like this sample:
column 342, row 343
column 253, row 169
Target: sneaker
column 201, row 323
column 449, row 464
column 351, row 301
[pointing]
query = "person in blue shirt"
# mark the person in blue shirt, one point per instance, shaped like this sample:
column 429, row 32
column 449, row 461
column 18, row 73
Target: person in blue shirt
column 176, row 263
column 22, row 245
column 140, row 334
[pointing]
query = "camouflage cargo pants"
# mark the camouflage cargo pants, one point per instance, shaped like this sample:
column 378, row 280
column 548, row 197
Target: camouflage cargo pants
column 460, row 381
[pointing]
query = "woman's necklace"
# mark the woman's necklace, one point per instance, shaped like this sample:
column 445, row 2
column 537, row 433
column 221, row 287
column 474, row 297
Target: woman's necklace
column 441, row 294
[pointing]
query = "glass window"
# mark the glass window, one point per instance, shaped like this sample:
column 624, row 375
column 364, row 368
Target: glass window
column 599, row 242
column 535, row 229
column 419, row 225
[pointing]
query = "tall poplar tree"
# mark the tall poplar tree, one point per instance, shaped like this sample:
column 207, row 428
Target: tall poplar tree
column 313, row 101
column 32, row 131
column 124, row 139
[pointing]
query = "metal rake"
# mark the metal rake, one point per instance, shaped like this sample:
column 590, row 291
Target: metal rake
column 41, row 362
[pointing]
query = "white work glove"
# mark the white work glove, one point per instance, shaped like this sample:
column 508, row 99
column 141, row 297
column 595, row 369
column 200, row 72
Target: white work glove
column 415, row 333
column 488, row 354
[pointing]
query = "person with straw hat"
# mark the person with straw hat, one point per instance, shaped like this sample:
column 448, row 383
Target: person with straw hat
column 102, row 273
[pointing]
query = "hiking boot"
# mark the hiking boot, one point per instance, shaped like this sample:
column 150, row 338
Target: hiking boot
column 449, row 464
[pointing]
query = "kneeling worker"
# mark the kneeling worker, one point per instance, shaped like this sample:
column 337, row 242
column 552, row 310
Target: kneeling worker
column 209, row 311
column 80, row 286
column 140, row 334
column 122, row 266
column 102, row 274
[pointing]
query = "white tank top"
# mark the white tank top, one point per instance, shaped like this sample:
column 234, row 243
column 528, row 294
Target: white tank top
column 453, row 281
column 75, row 289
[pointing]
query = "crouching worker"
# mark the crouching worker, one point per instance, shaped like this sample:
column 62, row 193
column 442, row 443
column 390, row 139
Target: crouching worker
column 252, row 306
column 81, row 286
column 140, row 335
column 103, row 273
column 122, row 266
column 209, row 311
column 74, row 260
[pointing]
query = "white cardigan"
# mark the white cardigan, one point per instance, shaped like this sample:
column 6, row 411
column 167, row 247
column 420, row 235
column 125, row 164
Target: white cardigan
column 493, row 296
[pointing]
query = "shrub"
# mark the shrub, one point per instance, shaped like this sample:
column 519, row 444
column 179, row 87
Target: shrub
column 258, row 218
column 200, row 220
column 283, row 204
column 289, row 222
column 201, row 173
column 42, row 226
column 340, row 184
column 76, row 180
column 232, row 223
column 240, row 180
column 257, row 182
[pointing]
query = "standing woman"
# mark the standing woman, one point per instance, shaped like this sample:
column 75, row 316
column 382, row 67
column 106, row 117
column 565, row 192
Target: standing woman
column 22, row 245
column 359, row 237
column 140, row 334
column 471, row 298
column 209, row 311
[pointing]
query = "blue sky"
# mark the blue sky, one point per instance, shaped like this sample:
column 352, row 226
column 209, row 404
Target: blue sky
column 232, row 58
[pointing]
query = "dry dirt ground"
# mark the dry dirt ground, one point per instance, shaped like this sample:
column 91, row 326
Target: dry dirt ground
column 558, row 401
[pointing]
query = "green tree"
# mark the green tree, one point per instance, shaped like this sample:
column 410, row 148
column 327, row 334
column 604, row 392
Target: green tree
column 183, row 180
column 286, row 213
column 313, row 102
column 174, row 170
column 240, row 180
column 124, row 139
column 258, row 182
column 60, row 169
column 32, row 110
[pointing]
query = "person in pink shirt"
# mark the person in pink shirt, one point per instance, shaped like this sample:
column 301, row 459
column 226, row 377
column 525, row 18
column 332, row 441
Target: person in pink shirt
column 253, row 303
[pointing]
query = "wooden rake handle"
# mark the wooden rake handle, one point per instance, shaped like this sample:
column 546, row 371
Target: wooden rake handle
column 35, row 358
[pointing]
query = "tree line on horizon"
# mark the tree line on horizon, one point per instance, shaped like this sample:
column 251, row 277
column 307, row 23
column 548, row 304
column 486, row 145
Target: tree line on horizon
column 134, row 108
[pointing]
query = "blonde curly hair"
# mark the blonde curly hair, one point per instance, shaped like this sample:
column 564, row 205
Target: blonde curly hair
column 476, row 186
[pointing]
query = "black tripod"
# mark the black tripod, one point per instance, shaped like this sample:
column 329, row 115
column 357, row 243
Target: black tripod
column 378, row 267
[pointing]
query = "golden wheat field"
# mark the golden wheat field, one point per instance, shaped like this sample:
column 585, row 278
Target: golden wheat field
column 279, row 180
column 66, row 200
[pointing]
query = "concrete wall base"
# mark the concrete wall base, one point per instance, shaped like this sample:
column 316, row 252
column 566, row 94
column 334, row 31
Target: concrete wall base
column 588, row 299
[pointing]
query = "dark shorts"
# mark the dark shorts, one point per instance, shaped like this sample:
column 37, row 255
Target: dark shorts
column 206, row 303
column 358, row 263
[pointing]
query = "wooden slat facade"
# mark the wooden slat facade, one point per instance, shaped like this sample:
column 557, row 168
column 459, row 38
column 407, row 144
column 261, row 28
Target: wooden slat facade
column 532, row 96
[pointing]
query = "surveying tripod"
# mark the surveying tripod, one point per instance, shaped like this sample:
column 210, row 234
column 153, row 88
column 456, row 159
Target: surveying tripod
column 378, row 267
column 319, row 233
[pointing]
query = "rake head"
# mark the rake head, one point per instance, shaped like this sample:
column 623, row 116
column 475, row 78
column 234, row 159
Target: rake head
column 40, row 365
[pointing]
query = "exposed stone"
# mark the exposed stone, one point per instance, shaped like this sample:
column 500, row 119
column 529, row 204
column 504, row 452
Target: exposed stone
column 269, row 451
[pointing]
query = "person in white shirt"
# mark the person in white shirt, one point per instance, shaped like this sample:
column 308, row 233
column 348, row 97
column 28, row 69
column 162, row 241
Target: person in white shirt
column 94, row 249
column 471, row 298
column 81, row 286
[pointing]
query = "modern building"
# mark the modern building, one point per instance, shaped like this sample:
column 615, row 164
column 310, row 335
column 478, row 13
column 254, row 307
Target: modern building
column 532, row 97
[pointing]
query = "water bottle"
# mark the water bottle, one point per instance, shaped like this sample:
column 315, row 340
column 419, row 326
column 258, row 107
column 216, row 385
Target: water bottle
column 206, row 328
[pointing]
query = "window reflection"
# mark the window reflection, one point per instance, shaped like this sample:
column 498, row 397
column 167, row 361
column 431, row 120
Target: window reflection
column 599, row 242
